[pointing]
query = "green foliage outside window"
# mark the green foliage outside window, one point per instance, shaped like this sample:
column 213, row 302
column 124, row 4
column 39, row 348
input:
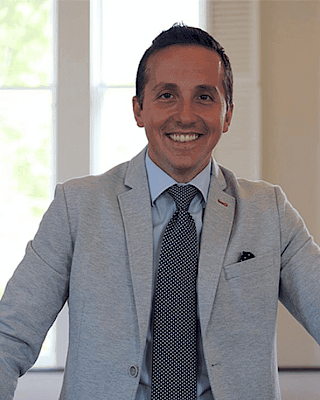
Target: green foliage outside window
column 26, row 61
column 25, row 43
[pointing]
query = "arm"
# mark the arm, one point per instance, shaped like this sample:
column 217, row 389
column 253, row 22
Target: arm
column 34, row 295
column 299, row 289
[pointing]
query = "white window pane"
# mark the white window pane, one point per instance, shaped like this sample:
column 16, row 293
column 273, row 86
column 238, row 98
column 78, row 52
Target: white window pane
column 25, row 154
column 120, row 137
column 26, row 178
column 125, row 39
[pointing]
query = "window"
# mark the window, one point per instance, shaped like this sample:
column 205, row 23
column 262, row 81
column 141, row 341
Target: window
column 27, row 92
column 44, row 125
column 117, row 47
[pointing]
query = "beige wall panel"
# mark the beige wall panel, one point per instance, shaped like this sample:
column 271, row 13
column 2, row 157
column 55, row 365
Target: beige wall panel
column 290, row 54
column 290, row 102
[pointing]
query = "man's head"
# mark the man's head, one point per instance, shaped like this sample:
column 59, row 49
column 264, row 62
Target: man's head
column 184, row 102
column 184, row 35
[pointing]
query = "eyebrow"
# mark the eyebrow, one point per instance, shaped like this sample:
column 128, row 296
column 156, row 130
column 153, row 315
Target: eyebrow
column 164, row 85
column 208, row 88
column 173, row 86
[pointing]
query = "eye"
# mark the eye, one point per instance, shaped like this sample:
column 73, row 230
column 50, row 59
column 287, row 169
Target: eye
column 205, row 97
column 166, row 95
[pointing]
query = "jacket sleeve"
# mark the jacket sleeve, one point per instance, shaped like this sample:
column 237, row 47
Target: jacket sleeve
column 299, row 289
column 35, row 295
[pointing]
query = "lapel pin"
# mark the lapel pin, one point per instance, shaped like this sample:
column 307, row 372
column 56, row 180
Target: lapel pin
column 223, row 203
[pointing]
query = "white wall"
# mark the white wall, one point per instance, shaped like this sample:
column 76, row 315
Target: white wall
column 274, row 47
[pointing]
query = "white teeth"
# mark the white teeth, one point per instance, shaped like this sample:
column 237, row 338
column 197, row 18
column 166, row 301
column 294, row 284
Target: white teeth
column 183, row 138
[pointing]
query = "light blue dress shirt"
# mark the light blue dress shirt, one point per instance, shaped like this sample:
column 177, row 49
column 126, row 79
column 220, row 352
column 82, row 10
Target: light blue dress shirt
column 163, row 207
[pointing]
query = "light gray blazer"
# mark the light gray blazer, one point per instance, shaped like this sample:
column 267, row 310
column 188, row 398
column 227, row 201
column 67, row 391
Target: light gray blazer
column 94, row 248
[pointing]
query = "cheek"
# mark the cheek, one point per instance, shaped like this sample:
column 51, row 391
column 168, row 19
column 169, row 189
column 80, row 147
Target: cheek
column 155, row 120
column 153, row 135
column 214, row 123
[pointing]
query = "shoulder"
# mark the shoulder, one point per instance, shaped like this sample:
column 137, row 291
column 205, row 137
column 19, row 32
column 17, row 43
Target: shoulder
column 257, row 198
column 246, row 189
column 115, row 181
column 110, row 182
column 90, row 195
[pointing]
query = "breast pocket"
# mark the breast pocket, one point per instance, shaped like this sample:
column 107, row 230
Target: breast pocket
column 252, row 266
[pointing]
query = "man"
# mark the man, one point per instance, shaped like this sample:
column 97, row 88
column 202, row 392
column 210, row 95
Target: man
column 103, row 246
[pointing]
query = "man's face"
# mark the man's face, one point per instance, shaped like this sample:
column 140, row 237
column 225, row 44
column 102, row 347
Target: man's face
column 184, row 110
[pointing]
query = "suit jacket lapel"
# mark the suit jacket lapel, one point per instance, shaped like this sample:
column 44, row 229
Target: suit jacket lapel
column 135, row 206
column 217, row 224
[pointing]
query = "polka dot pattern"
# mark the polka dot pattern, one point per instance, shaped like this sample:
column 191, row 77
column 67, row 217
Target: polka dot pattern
column 174, row 351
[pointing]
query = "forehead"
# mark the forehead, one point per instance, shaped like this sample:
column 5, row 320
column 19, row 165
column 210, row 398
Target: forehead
column 185, row 64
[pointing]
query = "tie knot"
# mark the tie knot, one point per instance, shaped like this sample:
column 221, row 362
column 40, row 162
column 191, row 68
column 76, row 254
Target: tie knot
column 182, row 195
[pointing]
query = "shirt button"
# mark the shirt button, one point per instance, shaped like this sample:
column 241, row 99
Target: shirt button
column 133, row 371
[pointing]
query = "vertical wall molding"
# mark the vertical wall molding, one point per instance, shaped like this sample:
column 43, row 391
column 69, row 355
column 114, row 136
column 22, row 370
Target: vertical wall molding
column 73, row 90
column 73, row 113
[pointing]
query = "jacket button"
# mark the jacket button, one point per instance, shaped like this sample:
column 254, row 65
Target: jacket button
column 133, row 371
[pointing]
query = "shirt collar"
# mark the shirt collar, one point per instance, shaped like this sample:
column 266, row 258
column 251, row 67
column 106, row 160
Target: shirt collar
column 159, row 181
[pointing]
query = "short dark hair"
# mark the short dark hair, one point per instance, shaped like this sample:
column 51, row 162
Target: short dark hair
column 180, row 34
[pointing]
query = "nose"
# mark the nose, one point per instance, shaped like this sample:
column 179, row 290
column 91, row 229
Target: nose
column 185, row 112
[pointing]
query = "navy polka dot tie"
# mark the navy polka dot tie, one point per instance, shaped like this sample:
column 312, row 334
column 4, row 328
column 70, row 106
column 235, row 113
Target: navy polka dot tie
column 174, row 350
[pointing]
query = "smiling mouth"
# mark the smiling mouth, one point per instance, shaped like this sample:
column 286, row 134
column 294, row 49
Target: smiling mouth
column 179, row 137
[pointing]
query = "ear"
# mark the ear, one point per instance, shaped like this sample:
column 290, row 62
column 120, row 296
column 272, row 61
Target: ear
column 227, row 119
column 137, row 112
